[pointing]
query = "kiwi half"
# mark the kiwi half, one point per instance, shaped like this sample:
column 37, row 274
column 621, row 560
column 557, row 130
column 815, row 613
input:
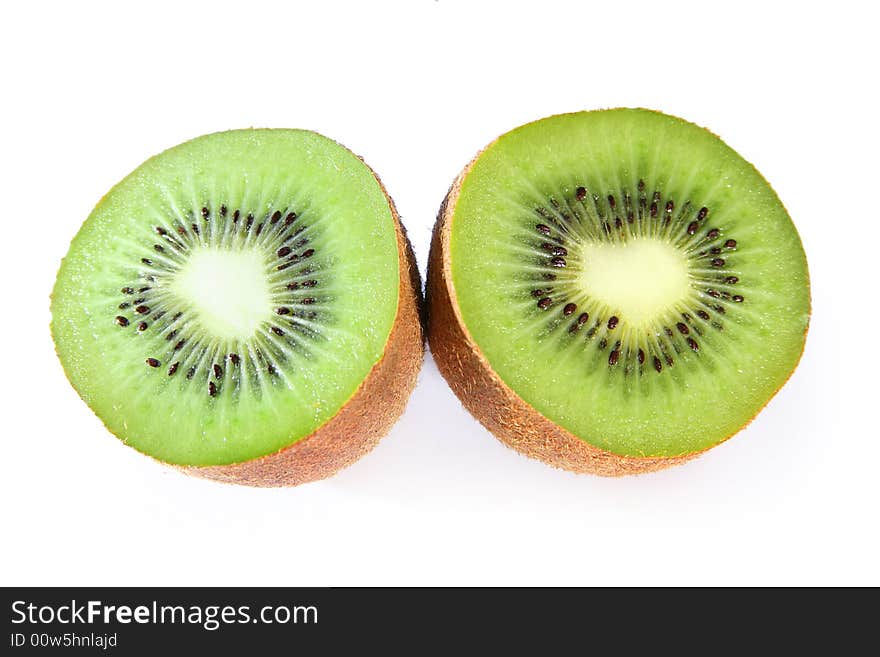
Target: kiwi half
column 615, row 291
column 243, row 306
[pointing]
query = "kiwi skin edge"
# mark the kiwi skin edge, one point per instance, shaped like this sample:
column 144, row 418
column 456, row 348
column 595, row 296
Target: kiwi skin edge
column 370, row 412
column 491, row 401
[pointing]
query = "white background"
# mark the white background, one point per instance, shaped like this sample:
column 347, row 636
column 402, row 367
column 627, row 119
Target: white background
column 88, row 91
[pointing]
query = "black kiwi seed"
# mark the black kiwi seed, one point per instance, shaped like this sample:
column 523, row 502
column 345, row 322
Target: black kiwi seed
column 235, row 359
column 122, row 321
column 702, row 314
column 292, row 286
column 718, row 262
column 693, row 344
column 702, row 213
column 730, row 244
column 731, row 280
column 544, row 229
column 712, row 234
column 142, row 310
column 569, row 309
column 276, row 217
column 641, row 357
column 212, row 389
column 289, row 219
column 282, row 311
column 558, row 262
column 580, row 193
column 283, row 251
column 682, row 328
column 308, row 253
column 309, row 283
column 737, row 298
column 657, row 364
column 277, row 331
column 558, row 250
column 692, row 228
column 204, row 213
column 124, row 305
column 218, row 371
column 613, row 356
column 612, row 322
column 153, row 362
column 128, row 290
column 544, row 303
column 142, row 326
column 173, row 368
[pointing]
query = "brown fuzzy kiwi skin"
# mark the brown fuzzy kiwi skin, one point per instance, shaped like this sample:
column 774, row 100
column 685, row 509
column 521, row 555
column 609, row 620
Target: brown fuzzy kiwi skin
column 482, row 392
column 366, row 417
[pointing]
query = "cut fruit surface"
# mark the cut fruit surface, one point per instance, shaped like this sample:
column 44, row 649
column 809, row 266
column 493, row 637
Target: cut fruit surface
column 626, row 275
column 231, row 295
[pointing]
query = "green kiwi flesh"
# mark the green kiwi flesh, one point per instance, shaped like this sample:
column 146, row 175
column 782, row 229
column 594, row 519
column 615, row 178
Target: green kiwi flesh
column 229, row 296
column 630, row 277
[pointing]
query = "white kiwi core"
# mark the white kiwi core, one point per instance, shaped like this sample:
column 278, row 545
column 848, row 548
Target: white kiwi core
column 228, row 289
column 641, row 278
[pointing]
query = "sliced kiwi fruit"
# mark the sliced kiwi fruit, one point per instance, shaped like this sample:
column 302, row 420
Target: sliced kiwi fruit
column 615, row 291
column 243, row 306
